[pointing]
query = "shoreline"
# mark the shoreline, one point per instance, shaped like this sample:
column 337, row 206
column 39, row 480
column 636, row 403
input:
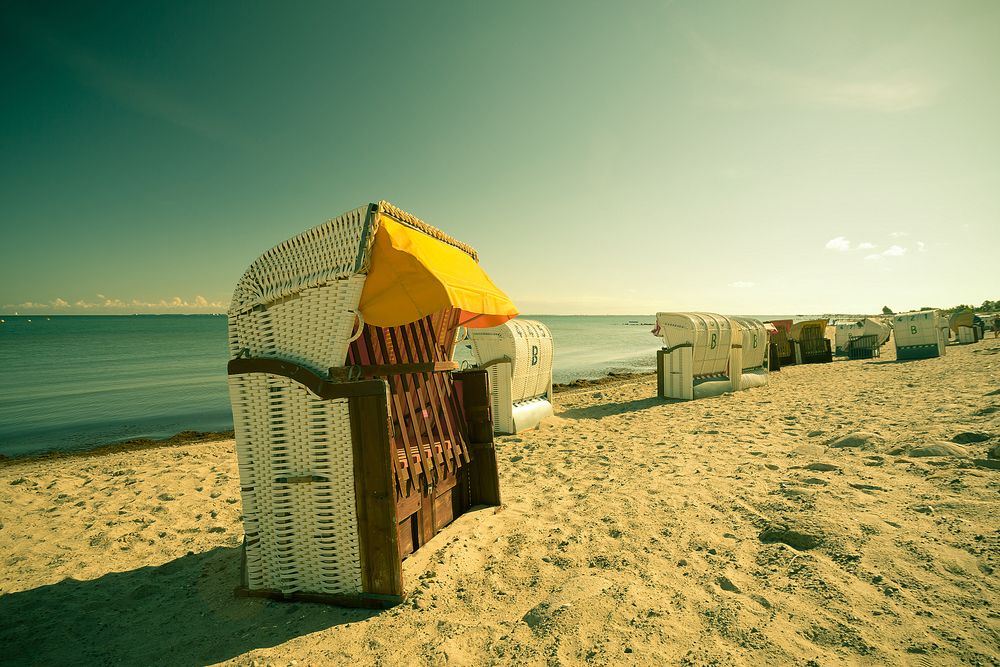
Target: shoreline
column 132, row 445
column 189, row 437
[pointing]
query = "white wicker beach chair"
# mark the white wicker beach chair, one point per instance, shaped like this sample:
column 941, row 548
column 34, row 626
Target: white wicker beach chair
column 518, row 355
column 918, row 335
column 356, row 443
column 867, row 326
column 964, row 325
column 701, row 356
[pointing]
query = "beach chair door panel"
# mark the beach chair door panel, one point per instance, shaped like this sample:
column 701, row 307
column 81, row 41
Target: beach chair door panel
column 427, row 430
column 473, row 391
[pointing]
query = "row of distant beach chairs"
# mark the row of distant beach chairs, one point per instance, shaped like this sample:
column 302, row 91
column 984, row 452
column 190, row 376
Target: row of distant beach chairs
column 706, row 354
column 359, row 438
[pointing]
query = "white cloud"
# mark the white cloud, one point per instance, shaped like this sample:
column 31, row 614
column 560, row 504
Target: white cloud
column 742, row 284
column 894, row 251
column 112, row 304
column 866, row 246
column 27, row 305
column 891, row 251
column 840, row 244
column 921, row 246
column 899, row 235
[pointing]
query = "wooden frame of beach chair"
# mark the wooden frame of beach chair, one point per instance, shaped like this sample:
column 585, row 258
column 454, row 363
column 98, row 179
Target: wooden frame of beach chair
column 518, row 355
column 356, row 443
column 810, row 343
column 785, row 349
column 773, row 358
column 863, row 347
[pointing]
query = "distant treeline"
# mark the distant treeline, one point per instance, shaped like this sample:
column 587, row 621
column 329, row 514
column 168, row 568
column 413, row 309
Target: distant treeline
column 986, row 307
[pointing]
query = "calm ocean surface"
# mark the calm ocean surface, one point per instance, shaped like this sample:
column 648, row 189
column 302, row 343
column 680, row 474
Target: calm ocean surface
column 73, row 382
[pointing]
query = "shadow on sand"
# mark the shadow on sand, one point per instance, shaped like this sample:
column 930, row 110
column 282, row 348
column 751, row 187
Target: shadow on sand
column 609, row 409
column 180, row 613
column 894, row 361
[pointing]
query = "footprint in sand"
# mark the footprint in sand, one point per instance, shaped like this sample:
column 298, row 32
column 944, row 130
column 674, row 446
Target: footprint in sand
column 821, row 467
column 795, row 538
column 971, row 437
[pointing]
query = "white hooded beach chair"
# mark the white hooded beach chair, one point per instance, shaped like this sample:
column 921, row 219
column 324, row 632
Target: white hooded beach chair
column 810, row 342
column 755, row 352
column 848, row 331
column 356, row 441
column 700, row 356
column 963, row 323
column 518, row 355
column 918, row 335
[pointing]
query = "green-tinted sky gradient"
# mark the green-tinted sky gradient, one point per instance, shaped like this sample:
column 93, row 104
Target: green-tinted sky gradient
column 752, row 157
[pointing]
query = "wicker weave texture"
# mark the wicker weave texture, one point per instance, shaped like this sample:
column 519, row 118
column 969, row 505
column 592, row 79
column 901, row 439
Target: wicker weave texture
column 312, row 329
column 315, row 257
column 711, row 334
column 418, row 224
column 500, row 398
column 300, row 537
column 297, row 302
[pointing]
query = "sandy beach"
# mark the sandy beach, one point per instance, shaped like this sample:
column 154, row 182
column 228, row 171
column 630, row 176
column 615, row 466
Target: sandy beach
column 845, row 514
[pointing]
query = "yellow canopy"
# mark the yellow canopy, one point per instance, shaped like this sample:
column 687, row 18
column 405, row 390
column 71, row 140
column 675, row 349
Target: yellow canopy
column 413, row 275
column 798, row 327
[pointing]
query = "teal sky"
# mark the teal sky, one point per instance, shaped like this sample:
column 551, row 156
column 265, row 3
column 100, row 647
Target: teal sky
column 751, row 157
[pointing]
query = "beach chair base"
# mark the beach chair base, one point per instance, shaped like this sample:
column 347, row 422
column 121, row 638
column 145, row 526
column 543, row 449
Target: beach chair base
column 816, row 351
column 296, row 544
column 528, row 414
column 863, row 347
column 753, row 378
column 917, row 352
column 675, row 380
column 360, row 601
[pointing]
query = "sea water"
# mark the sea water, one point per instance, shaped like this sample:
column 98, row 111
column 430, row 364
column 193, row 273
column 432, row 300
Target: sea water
column 72, row 382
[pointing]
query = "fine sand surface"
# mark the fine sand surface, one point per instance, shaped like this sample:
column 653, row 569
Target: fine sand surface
column 829, row 518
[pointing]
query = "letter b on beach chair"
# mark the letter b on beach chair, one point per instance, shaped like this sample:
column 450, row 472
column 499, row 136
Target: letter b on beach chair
column 518, row 356
column 706, row 354
column 919, row 335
